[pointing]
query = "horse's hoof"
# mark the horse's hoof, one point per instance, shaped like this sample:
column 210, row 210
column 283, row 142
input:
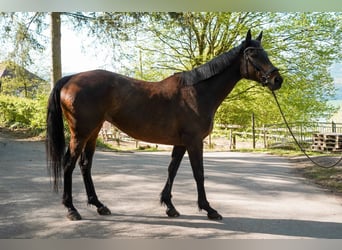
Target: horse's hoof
column 172, row 212
column 103, row 211
column 74, row 215
column 215, row 216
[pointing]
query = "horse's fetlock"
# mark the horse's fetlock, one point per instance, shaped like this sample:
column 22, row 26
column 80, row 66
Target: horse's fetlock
column 203, row 205
column 165, row 197
column 165, row 200
column 93, row 200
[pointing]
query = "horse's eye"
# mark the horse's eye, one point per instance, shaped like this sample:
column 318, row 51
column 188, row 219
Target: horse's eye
column 254, row 54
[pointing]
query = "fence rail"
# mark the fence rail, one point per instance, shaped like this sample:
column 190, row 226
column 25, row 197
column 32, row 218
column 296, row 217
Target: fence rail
column 273, row 134
column 269, row 135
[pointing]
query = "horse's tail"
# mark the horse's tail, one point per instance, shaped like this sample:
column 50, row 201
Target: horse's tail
column 55, row 139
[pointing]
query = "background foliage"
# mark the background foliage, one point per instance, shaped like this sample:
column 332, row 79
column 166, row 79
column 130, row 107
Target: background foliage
column 152, row 46
column 302, row 45
column 17, row 112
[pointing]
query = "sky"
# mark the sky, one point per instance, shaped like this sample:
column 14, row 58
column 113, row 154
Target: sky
column 336, row 72
column 76, row 59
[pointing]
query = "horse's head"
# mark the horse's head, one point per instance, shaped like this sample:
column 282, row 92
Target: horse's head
column 255, row 64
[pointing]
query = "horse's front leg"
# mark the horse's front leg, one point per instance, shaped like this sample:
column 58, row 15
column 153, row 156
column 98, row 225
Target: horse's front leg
column 195, row 151
column 165, row 198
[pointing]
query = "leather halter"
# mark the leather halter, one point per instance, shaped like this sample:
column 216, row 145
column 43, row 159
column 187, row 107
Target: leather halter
column 265, row 76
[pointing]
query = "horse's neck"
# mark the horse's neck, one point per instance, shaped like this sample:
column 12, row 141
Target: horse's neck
column 217, row 88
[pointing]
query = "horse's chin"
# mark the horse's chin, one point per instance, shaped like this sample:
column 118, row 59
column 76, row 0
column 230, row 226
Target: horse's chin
column 273, row 88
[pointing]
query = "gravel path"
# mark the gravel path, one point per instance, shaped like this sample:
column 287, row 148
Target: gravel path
column 259, row 196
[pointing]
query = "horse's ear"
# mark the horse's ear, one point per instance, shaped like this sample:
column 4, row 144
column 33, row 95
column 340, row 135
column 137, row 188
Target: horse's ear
column 249, row 36
column 259, row 37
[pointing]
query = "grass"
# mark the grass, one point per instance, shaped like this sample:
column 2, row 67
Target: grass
column 23, row 133
column 280, row 152
column 105, row 146
column 110, row 146
column 330, row 178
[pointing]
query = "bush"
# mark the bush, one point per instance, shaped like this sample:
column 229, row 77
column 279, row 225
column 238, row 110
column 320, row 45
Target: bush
column 22, row 112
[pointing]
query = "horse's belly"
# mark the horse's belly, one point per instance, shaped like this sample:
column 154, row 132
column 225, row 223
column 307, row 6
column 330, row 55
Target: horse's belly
column 150, row 132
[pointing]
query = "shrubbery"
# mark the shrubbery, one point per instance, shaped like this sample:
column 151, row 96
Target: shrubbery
column 17, row 112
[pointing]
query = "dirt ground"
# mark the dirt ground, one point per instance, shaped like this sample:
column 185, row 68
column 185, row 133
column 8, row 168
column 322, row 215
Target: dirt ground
column 260, row 196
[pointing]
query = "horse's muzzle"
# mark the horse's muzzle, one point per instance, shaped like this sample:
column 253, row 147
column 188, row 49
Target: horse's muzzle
column 274, row 83
column 277, row 82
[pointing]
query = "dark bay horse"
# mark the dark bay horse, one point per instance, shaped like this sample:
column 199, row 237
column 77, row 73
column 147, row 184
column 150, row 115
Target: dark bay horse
column 178, row 110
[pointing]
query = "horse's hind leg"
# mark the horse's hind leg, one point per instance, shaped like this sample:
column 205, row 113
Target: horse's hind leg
column 85, row 165
column 177, row 156
column 69, row 161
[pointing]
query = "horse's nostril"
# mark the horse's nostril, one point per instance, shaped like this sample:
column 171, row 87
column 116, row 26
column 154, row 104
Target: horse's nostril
column 278, row 80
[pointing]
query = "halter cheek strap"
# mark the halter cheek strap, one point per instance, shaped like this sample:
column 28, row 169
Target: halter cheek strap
column 265, row 76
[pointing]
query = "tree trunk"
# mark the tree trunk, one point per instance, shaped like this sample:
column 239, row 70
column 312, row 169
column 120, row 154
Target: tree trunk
column 56, row 72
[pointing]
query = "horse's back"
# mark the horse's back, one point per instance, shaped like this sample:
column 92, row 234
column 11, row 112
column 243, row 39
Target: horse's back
column 94, row 87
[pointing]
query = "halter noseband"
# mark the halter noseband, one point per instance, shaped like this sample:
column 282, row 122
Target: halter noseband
column 265, row 76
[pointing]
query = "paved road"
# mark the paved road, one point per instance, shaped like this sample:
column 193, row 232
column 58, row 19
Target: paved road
column 259, row 196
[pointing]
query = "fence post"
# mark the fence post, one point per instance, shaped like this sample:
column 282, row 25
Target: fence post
column 210, row 142
column 232, row 139
column 253, row 130
column 333, row 127
column 301, row 133
column 264, row 133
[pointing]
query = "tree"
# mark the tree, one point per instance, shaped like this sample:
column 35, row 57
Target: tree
column 25, row 31
column 302, row 45
column 21, row 42
column 56, row 55
column 190, row 39
column 308, row 44
column 17, row 81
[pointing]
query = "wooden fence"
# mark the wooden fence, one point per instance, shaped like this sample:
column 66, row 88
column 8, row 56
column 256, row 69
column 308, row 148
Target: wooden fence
column 273, row 135
column 269, row 135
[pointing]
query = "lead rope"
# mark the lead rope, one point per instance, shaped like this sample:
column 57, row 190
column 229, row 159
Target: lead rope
column 296, row 141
